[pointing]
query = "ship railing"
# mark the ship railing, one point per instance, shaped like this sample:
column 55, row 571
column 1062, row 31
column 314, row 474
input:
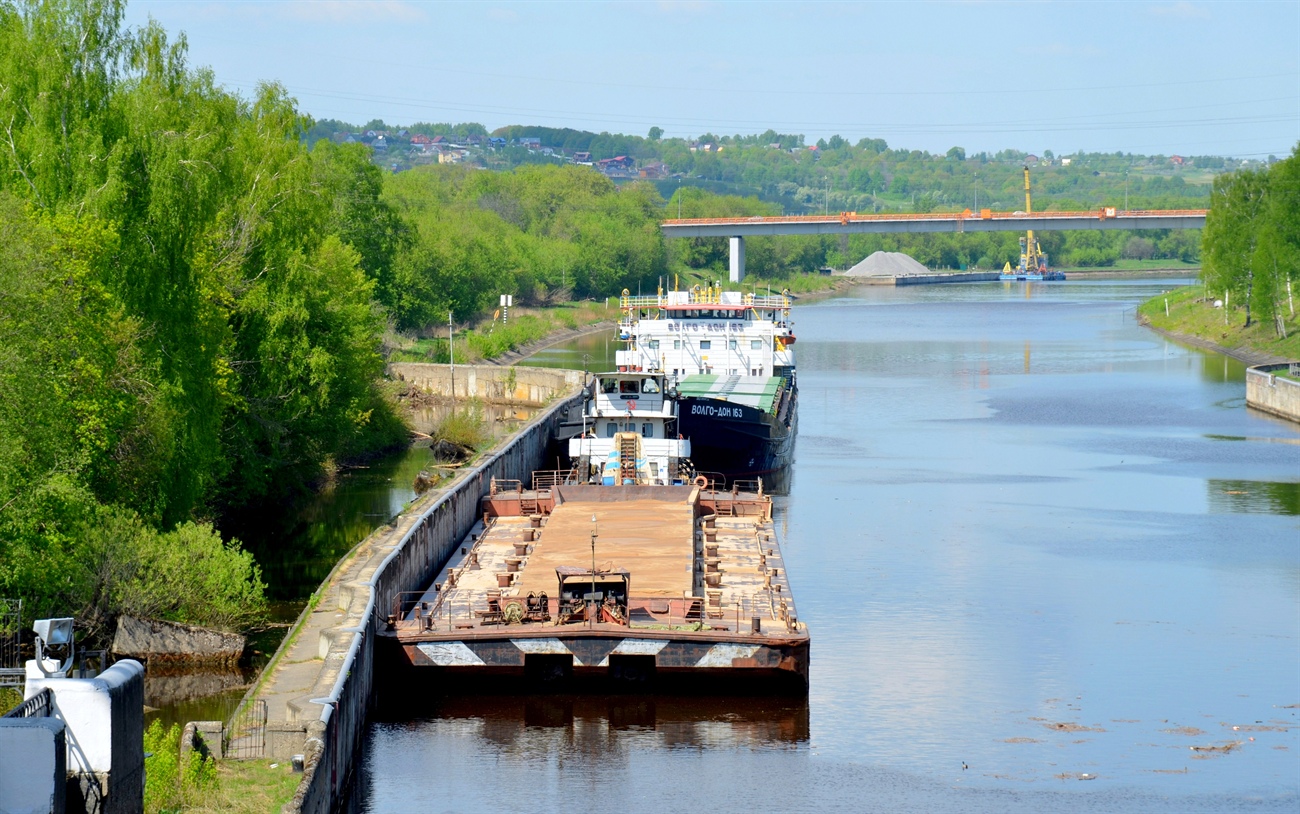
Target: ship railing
column 455, row 611
column 703, row 297
column 550, row 478
column 500, row 485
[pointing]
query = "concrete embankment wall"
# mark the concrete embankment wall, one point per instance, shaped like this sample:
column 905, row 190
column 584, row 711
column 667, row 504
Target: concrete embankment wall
column 520, row 385
column 1271, row 393
column 335, row 739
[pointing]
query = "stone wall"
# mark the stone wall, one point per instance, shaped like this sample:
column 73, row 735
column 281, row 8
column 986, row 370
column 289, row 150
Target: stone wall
column 1267, row 391
column 533, row 386
column 335, row 736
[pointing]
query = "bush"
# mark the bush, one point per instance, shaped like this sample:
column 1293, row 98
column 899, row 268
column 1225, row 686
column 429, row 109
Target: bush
column 466, row 427
column 169, row 785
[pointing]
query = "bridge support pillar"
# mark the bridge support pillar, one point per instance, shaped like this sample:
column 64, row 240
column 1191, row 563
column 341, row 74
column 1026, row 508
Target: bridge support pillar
column 737, row 265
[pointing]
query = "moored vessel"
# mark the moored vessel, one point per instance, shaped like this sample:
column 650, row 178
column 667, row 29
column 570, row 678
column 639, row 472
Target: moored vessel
column 1033, row 260
column 730, row 357
column 650, row 587
column 629, row 433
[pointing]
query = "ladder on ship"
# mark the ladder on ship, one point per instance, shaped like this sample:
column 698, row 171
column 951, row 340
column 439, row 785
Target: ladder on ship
column 627, row 454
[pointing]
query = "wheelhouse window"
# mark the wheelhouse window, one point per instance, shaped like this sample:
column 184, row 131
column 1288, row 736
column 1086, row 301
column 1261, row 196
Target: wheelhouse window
column 609, row 385
column 755, row 344
column 648, row 430
column 652, row 344
column 706, row 344
column 677, row 344
column 610, row 429
column 628, row 386
column 649, row 386
column 731, row 344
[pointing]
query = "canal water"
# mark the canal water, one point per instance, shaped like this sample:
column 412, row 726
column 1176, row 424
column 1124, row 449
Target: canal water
column 1049, row 559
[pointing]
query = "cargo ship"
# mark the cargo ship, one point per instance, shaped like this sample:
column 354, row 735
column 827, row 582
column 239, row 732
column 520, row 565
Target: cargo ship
column 729, row 358
column 565, row 586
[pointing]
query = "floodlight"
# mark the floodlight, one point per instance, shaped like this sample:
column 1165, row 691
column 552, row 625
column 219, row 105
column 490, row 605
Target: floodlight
column 54, row 631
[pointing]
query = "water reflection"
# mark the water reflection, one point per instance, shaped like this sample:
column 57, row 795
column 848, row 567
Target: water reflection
column 296, row 546
column 515, row 723
column 595, row 352
column 503, row 753
column 1254, row 497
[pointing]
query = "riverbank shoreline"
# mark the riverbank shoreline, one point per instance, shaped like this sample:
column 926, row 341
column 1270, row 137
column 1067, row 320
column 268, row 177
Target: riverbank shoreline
column 1186, row 315
column 1247, row 355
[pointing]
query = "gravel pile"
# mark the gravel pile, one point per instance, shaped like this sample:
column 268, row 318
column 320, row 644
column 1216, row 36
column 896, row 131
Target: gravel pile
column 887, row 264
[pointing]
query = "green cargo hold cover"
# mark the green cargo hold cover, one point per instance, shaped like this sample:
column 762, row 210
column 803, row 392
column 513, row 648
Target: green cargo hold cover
column 760, row 392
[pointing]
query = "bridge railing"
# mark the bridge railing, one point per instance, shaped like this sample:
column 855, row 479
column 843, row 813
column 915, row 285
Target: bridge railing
column 854, row 217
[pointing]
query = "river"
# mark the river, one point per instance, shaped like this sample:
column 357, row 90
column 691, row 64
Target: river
column 1049, row 561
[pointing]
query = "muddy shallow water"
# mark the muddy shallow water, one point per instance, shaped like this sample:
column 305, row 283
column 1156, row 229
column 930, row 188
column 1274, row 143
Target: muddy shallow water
column 1049, row 561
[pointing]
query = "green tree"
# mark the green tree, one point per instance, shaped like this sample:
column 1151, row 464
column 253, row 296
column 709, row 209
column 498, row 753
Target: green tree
column 1232, row 231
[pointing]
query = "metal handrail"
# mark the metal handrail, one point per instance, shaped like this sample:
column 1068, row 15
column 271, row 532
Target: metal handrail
column 854, row 217
column 703, row 299
column 683, row 614
column 40, row 705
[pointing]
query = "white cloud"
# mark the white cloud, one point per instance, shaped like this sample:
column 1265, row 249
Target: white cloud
column 1182, row 9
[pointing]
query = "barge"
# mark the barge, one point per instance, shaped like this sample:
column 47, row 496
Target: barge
column 643, row 587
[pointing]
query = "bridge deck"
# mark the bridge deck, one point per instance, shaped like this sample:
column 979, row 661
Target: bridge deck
column 853, row 222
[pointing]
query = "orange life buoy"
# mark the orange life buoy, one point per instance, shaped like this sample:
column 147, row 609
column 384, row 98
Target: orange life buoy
column 701, row 481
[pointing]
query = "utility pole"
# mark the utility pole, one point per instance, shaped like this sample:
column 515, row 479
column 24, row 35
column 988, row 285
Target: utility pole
column 1125, row 190
column 451, row 347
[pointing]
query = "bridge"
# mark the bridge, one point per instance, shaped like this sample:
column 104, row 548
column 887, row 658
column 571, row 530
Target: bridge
column 849, row 223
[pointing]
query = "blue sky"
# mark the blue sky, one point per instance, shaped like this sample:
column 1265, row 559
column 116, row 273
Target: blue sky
column 1145, row 77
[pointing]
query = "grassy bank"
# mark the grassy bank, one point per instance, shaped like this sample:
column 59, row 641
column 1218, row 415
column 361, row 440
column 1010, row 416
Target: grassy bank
column 1192, row 314
column 490, row 337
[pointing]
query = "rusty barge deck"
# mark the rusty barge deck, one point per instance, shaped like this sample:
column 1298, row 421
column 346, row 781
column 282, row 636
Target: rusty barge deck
column 686, row 586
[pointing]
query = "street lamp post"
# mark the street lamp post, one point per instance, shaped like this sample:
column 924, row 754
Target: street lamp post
column 592, row 603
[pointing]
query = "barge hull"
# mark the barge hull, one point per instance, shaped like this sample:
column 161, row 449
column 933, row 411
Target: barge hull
column 693, row 593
